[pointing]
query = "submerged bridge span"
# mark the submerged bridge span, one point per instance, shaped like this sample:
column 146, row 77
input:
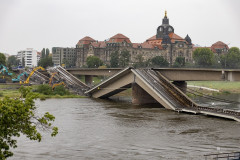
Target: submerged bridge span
column 150, row 86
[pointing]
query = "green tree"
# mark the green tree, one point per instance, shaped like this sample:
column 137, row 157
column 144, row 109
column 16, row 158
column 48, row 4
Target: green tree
column 179, row 62
column 231, row 59
column 17, row 117
column 65, row 62
column 139, row 61
column 124, row 58
column 114, row 61
column 47, row 52
column 203, row 57
column 234, row 50
column 94, row 62
column 12, row 61
column 2, row 59
column 159, row 61
column 43, row 53
column 45, row 62
column 23, row 62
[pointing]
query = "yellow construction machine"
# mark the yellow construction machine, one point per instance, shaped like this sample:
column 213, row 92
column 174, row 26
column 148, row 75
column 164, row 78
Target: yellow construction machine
column 51, row 78
column 58, row 84
column 35, row 69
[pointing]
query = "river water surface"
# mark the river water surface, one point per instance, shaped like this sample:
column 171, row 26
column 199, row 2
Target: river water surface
column 91, row 129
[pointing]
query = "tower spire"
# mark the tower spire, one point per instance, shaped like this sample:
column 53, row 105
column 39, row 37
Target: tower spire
column 165, row 13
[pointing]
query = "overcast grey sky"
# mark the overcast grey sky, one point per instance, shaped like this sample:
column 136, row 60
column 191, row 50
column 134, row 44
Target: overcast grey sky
column 61, row 23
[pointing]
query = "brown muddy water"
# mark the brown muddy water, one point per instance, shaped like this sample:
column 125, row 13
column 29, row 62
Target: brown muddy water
column 92, row 129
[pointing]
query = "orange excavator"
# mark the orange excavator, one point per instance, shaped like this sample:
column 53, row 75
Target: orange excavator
column 58, row 84
column 51, row 78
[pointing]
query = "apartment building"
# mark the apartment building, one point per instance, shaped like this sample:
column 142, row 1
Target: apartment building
column 64, row 56
column 27, row 57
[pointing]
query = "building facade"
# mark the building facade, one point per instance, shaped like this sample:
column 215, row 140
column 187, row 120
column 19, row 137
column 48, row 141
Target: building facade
column 165, row 43
column 64, row 56
column 27, row 57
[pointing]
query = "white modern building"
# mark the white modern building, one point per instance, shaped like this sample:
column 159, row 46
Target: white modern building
column 29, row 56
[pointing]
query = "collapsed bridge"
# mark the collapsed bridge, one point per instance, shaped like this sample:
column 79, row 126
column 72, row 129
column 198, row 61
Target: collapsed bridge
column 150, row 86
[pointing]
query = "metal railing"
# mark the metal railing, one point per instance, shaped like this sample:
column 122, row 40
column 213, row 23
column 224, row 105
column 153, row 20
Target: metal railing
column 223, row 156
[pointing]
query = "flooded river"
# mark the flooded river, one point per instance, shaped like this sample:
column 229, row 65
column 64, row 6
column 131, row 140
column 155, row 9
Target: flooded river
column 91, row 129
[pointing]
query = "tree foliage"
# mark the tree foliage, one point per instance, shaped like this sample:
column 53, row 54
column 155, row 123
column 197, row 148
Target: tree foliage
column 47, row 52
column 12, row 61
column 159, row 61
column 17, row 117
column 94, row 62
column 47, row 90
column 179, row 62
column 203, row 57
column 43, row 53
column 231, row 59
column 45, row 62
column 60, row 90
column 124, row 58
column 23, row 62
column 114, row 61
column 2, row 59
column 140, row 63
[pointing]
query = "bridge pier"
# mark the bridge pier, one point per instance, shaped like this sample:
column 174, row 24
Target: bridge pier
column 182, row 85
column 140, row 96
column 88, row 80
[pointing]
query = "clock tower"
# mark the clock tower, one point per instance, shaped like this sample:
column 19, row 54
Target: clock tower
column 165, row 28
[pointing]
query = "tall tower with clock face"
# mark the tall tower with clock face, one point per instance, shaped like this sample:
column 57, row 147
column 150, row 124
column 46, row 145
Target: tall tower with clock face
column 165, row 28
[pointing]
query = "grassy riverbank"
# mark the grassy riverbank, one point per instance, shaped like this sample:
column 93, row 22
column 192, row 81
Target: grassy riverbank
column 12, row 91
column 225, row 87
column 222, row 86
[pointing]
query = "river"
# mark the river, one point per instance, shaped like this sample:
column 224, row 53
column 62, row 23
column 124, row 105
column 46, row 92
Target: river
column 93, row 129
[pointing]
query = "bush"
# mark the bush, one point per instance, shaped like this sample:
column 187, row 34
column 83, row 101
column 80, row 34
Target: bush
column 60, row 90
column 47, row 90
column 44, row 89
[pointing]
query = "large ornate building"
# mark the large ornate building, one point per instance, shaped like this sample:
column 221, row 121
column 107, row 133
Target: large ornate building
column 165, row 43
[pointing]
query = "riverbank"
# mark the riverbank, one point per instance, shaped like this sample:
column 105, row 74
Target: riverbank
column 222, row 86
column 12, row 91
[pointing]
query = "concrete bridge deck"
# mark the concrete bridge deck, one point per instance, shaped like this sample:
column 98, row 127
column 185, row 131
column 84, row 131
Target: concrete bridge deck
column 172, row 74
column 149, row 86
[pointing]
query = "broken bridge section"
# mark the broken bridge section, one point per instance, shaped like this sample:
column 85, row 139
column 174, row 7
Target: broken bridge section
column 151, row 86
column 113, row 85
column 71, row 81
column 147, row 86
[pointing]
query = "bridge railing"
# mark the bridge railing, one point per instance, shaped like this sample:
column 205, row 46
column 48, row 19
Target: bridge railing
column 174, row 90
column 189, row 102
column 159, row 88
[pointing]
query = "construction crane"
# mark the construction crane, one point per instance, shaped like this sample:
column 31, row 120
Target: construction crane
column 51, row 78
column 35, row 69
column 18, row 77
column 58, row 84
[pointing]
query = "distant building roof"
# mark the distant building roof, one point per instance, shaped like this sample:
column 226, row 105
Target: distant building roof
column 219, row 45
column 174, row 37
column 85, row 40
column 100, row 44
column 118, row 38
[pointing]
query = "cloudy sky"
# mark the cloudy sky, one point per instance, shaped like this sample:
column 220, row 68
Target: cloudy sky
column 61, row 23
